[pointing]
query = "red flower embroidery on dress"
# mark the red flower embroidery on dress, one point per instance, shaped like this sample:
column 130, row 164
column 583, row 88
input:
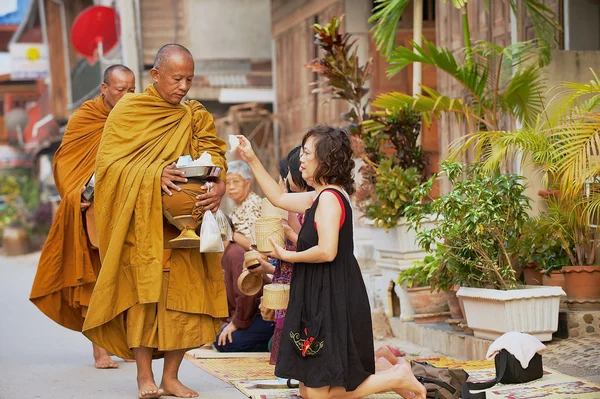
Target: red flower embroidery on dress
column 307, row 342
column 306, row 346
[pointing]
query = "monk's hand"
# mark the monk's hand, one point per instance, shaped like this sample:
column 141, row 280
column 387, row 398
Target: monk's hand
column 226, row 334
column 169, row 176
column 266, row 313
column 290, row 234
column 211, row 200
column 245, row 149
column 279, row 252
column 84, row 204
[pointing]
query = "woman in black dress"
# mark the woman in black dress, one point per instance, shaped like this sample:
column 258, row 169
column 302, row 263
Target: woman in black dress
column 327, row 337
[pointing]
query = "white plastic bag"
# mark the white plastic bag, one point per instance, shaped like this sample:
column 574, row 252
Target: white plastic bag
column 224, row 226
column 210, row 235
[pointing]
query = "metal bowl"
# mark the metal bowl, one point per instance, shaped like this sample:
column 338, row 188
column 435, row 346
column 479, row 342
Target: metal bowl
column 201, row 171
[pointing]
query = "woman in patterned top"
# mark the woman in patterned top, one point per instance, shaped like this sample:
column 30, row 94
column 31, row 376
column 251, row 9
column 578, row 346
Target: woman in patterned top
column 247, row 204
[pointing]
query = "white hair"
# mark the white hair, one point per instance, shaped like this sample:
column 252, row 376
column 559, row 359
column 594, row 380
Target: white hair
column 240, row 168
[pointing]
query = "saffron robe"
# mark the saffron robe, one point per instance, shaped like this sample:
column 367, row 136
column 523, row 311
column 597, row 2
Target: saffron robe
column 68, row 265
column 135, row 302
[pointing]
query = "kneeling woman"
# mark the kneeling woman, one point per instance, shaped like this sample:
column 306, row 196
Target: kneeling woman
column 327, row 337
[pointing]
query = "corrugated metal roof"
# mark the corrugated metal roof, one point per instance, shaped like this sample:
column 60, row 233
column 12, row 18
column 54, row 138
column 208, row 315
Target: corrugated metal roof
column 15, row 18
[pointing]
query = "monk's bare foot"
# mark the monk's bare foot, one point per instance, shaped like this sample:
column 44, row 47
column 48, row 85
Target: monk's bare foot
column 103, row 359
column 404, row 381
column 174, row 387
column 148, row 389
column 129, row 360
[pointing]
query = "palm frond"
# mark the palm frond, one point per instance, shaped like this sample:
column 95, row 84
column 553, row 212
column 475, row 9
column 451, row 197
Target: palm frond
column 386, row 15
column 523, row 98
column 544, row 23
column 472, row 78
column 578, row 151
column 430, row 104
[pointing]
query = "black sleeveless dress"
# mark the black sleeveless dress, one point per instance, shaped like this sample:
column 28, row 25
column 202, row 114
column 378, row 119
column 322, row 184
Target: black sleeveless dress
column 327, row 337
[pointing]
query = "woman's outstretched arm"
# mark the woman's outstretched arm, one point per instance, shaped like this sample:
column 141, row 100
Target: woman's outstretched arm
column 291, row 202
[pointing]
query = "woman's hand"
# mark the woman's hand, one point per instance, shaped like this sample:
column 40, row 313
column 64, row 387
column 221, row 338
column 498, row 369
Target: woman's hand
column 170, row 175
column 280, row 252
column 290, row 234
column 245, row 149
column 264, row 267
column 226, row 333
column 265, row 313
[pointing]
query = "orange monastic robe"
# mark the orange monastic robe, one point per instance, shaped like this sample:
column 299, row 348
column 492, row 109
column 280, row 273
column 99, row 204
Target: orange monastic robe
column 147, row 294
column 69, row 266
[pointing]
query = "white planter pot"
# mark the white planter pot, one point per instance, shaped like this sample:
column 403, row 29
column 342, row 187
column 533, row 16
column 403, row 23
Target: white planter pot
column 399, row 242
column 532, row 310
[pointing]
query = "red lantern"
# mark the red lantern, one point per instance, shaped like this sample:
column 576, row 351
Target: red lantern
column 97, row 27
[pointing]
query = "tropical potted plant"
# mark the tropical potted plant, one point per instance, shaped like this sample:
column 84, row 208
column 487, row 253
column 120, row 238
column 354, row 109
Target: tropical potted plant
column 540, row 250
column 561, row 146
column 393, row 162
column 476, row 235
column 426, row 297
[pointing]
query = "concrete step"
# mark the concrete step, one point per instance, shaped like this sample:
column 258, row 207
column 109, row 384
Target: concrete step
column 440, row 338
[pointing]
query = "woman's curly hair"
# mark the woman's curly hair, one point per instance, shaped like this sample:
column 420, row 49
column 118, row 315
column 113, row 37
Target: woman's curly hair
column 333, row 152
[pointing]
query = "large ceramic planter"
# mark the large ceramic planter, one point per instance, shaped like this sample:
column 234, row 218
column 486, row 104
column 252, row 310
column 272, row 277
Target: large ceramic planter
column 582, row 287
column 399, row 242
column 491, row 313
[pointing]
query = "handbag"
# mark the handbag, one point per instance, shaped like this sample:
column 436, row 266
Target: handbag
column 451, row 383
column 444, row 383
column 510, row 371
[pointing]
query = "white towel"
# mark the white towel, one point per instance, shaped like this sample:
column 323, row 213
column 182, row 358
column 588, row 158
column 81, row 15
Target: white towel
column 522, row 346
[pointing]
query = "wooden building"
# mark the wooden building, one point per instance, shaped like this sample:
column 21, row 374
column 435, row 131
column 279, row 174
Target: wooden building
column 293, row 35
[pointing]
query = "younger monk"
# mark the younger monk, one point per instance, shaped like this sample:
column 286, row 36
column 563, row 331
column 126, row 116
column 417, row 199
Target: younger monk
column 69, row 265
column 152, row 300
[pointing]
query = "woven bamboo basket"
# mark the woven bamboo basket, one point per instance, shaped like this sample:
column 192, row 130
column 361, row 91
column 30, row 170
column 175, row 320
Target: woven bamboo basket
column 251, row 259
column 269, row 211
column 249, row 284
column 276, row 296
column 266, row 228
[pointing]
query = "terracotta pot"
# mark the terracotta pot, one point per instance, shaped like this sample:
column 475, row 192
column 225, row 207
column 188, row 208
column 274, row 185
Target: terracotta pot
column 555, row 279
column 582, row 282
column 532, row 275
column 454, row 303
column 424, row 301
column 15, row 241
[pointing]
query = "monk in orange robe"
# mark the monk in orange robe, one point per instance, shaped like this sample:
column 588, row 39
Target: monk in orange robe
column 152, row 300
column 69, row 265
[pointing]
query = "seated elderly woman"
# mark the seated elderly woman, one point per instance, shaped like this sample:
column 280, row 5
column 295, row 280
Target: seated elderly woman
column 247, row 207
column 245, row 329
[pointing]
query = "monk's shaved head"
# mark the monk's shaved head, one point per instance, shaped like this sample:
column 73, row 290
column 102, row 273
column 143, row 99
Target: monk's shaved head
column 108, row 73
column 169, row 53
column 118, row 81
column 173, row 72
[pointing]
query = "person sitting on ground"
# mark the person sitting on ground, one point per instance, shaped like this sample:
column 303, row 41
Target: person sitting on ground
column 245, row 331
column 247, row 207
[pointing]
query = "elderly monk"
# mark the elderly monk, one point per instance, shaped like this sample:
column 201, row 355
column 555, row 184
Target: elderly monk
column 151, row 300
column 69, row 265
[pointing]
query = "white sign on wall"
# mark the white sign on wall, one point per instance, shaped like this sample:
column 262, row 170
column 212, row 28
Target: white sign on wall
column 29, row 61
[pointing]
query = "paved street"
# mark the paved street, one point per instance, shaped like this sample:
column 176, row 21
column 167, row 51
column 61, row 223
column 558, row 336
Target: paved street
column 40, row 359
